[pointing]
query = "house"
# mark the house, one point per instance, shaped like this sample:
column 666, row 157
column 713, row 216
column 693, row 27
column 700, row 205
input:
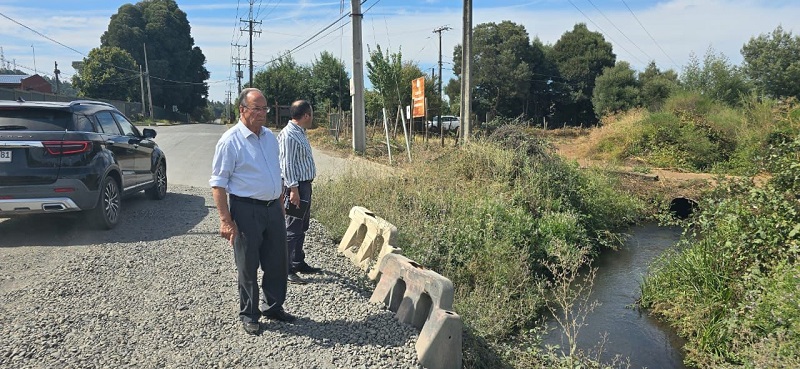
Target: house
column 25, row 83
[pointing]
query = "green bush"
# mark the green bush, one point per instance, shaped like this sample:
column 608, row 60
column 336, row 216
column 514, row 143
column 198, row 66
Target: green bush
column 784, row 163
column 482, row 216
column 725, row 285
column 695, row 133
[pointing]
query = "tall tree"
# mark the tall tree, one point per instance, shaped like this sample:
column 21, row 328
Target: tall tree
column 502, row 69
column 108, row 73
column 772, row 61
column 581, row 55
column 391, row 79
column 615, row 90
column 330, row 83
column 177, row 67
column 385, row 71
column 716, row 78
column 284, row 81
column 656, row 86
column 545, row 76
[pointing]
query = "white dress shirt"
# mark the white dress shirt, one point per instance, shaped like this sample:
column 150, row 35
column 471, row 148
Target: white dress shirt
column 247, row 165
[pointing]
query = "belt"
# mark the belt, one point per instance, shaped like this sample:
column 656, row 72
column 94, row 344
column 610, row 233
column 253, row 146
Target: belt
column 253, row 201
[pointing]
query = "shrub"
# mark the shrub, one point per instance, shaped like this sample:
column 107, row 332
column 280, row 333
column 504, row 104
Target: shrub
column 721, row 286
column 482, row 216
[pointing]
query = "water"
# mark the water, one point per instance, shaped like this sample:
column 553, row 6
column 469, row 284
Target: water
column 630, row 333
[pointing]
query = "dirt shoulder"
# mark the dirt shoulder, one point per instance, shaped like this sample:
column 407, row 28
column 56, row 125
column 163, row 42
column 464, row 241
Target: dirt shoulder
column 645, row 181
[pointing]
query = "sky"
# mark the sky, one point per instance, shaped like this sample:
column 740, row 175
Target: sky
column 668, row 32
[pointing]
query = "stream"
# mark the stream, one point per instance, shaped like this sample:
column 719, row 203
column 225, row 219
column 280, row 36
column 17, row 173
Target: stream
column 630, row 333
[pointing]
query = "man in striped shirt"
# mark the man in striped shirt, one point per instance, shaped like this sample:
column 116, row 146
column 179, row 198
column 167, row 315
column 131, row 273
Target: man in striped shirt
column 298, row 171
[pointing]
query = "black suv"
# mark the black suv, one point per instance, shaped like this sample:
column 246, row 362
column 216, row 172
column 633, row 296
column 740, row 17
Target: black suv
column 58, row 157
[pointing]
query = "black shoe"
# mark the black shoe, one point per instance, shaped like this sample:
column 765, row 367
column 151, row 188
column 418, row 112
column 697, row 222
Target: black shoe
column 251, row 327
column 294, row 278
column 279, row 315
column 307, row 269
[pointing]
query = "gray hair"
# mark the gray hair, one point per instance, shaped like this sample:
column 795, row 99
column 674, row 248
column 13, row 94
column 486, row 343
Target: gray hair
column 245, row 92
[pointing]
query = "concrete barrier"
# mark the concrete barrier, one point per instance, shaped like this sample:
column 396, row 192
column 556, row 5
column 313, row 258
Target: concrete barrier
column 423, row 299
column 368, row 240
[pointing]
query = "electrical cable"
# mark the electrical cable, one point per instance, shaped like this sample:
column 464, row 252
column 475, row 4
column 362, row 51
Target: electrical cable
column 619, row 30
column 674, row 64
column 605, row 33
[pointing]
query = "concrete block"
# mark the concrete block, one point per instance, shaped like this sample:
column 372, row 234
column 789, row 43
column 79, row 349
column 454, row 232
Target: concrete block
column 367, row 240
column 439, row 342
column 423, row 299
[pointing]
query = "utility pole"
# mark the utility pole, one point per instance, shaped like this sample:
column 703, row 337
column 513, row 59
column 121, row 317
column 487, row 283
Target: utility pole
column 34, row 60
column 439, row 119
column 228, row 110
column 56, row 72
column 239, row 65
column 141, row 87
column 357, row 85
column 250, row 22
column 149, row 91
column 466, row 73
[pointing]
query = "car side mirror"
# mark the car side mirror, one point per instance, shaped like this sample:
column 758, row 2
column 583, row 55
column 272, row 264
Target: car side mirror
column 149, row 133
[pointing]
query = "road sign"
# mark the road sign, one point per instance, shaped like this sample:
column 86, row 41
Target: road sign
column 418, row 97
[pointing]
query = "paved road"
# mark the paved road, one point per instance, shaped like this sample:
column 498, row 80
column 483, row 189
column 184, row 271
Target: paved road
column 190, row 149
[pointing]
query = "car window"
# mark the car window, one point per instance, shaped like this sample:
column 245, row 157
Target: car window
column 107, row 123
column 34, row 119
column 83, row 123
column 128, row 128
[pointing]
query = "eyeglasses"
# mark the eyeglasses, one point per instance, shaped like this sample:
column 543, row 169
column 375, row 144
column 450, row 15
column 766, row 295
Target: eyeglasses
column 258, row 109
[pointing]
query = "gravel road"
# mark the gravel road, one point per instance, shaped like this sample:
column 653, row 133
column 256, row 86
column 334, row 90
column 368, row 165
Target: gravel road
column 159, row 291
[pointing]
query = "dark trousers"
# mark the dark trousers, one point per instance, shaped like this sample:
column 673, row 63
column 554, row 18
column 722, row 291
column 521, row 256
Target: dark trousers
column 261, row 242
column 296, row 229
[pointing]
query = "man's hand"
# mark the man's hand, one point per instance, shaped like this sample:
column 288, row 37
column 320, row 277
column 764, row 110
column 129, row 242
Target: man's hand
column 294, row 196
column 228, row 230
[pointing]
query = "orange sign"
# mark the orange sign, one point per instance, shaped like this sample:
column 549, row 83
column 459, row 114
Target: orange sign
column 418, row 97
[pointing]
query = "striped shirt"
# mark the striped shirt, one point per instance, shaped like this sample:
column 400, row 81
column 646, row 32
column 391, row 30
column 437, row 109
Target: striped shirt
column 297, row 160
column 246, row 165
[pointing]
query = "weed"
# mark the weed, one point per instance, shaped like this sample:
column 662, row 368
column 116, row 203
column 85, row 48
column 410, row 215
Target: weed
column 731, row 284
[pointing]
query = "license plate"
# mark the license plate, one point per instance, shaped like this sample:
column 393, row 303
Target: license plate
column 5, row 156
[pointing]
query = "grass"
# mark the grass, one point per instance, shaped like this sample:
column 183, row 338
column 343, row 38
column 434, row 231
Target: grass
column 483, row 216
column 732, row 284
column 693, row 133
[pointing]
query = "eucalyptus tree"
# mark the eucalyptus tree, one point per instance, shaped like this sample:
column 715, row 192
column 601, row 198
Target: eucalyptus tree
column 503, row 67
column 715, row 77
column 580, row 55
column 772, row 61
column 656, row 86
column 616, row 90
column 330, row 83
column 284, row 81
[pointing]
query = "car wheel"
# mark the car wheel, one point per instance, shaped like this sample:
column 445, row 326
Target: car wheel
column 106, row 214
column 159, row 189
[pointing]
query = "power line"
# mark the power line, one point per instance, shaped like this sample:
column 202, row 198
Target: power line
column 605, row 33
column 620, row 31
column 309, row 39
column 674, row 64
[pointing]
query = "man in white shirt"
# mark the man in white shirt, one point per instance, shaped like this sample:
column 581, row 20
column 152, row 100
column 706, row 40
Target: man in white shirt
column 246, row 170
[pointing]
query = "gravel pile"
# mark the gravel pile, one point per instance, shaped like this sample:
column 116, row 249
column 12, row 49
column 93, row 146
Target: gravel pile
column 159, row 291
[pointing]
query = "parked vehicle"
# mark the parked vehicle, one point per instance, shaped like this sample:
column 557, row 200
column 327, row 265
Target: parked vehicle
column 58, row 157
column 449, row 123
